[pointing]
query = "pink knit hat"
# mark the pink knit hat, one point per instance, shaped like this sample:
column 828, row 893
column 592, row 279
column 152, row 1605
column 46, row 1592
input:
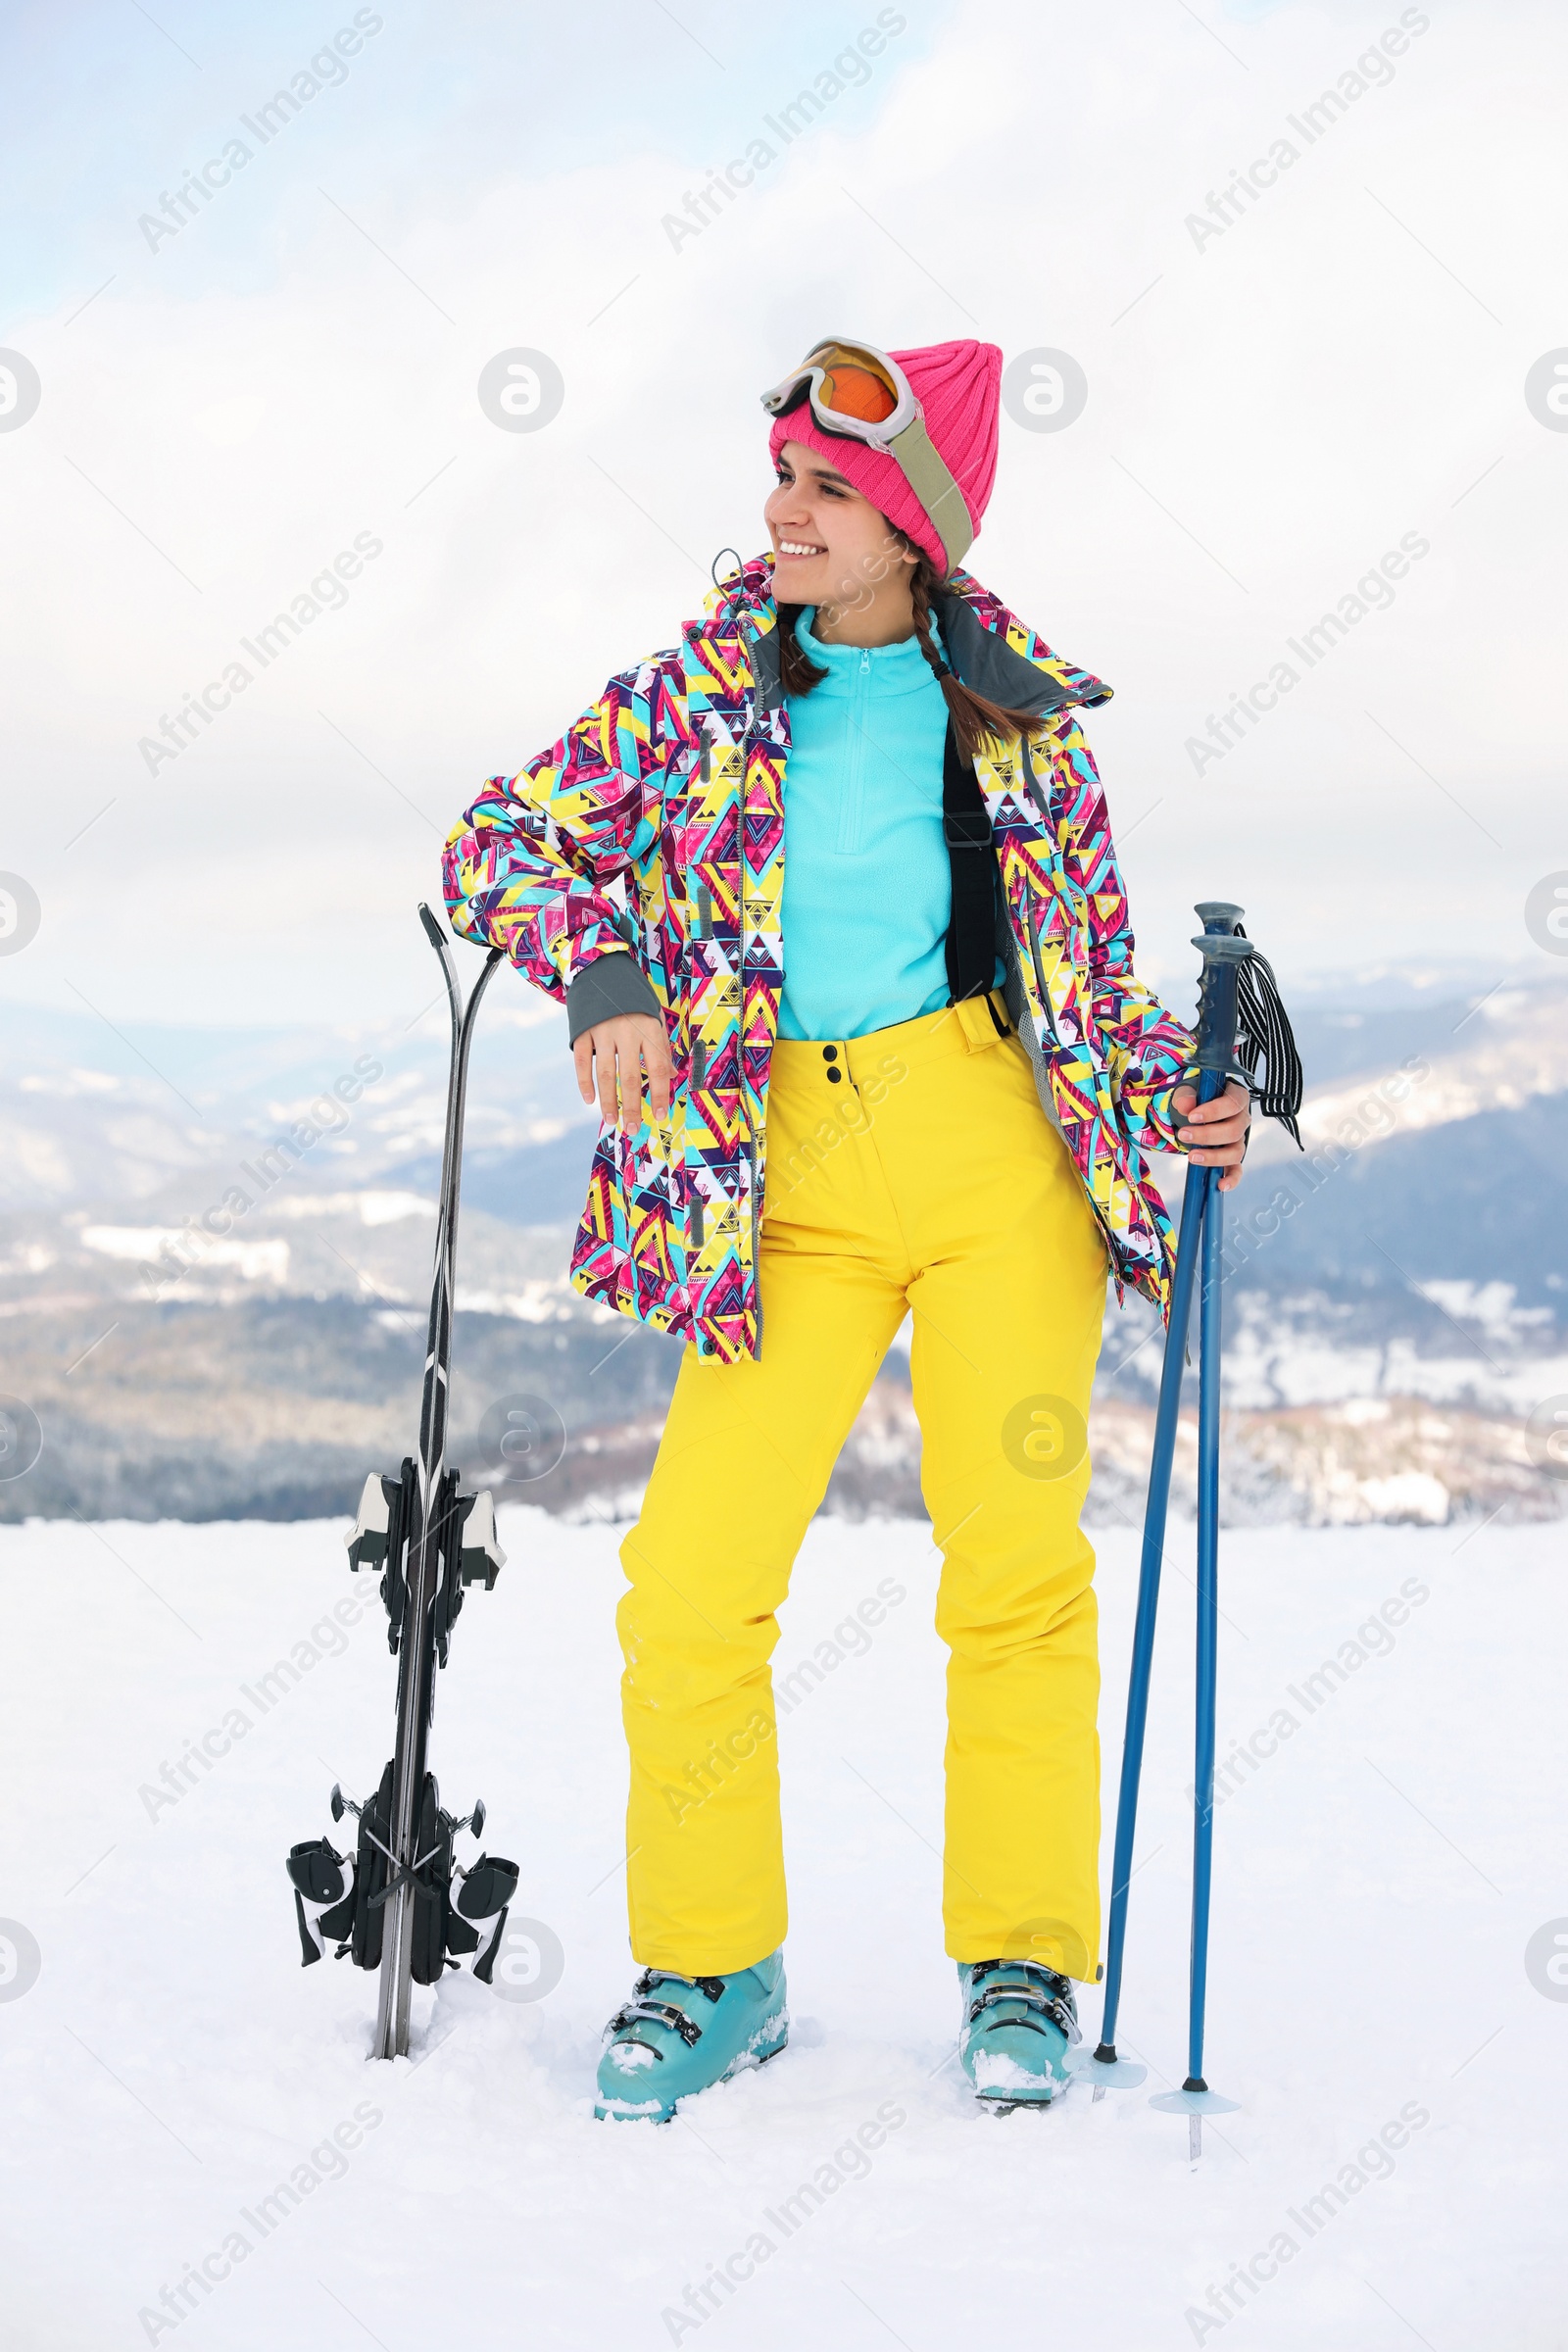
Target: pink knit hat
column 958, row 386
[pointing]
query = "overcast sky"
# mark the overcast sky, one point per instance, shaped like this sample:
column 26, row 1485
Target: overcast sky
column 1276, row 403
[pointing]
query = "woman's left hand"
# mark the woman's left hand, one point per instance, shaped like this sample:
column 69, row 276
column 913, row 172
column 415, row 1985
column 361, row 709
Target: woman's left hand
column 1214, row 1133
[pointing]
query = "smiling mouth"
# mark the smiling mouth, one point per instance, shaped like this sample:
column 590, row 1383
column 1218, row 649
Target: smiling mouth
column 798, row 547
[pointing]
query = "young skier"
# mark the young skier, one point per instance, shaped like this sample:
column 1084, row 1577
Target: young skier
column 866, row 1040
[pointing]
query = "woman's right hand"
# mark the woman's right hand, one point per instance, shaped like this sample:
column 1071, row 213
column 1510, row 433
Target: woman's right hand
column 617, row 1057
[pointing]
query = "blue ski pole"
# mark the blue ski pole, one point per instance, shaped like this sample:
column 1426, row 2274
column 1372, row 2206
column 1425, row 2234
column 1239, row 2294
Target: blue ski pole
column 1104, row 2066
column 1222, row 958
column 1214, row 1064
column 1207, row 1620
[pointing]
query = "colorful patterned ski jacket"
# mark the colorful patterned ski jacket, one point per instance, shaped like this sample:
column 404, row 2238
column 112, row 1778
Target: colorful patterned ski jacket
column 671, row 786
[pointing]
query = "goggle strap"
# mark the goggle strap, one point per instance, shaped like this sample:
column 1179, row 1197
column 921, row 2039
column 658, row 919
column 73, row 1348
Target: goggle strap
column 916, row 458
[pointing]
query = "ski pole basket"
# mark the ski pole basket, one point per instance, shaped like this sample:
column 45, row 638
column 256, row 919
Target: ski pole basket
column 402, row 1902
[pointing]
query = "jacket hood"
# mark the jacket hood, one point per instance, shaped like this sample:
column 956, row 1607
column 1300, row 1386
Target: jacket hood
column 991, row 649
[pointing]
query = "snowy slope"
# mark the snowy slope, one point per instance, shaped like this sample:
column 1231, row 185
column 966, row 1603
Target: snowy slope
column 172, row 1280
column 1378, row 1881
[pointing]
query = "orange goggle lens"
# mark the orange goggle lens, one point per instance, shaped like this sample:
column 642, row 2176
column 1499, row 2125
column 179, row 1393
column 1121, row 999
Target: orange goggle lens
column 854, row 385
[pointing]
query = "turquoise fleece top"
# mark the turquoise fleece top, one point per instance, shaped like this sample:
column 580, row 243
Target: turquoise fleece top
column 867, row 882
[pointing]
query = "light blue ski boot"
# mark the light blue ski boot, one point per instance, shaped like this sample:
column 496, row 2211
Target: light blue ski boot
column 679, row 2034
column 1019, row 2021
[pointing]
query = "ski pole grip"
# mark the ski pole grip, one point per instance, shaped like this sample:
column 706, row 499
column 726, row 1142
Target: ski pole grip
column 1214, row 1060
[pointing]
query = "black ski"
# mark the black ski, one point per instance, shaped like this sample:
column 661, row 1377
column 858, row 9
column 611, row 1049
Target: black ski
column 399, row 1912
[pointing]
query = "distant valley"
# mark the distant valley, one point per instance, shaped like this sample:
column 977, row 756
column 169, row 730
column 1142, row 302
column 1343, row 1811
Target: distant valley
column 1396, row 1305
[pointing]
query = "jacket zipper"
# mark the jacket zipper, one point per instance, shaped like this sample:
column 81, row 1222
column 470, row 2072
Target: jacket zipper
column 1046, row 1005
column 852, row 809
column 694, row 1209
column 703, row 924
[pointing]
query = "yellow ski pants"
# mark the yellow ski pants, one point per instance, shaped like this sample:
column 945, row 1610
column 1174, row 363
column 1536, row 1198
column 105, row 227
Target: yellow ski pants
column 912, row 1168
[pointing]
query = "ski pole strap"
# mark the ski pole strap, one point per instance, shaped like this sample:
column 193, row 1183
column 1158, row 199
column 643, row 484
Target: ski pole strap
column 1241, row 1020
column 1264, row 1033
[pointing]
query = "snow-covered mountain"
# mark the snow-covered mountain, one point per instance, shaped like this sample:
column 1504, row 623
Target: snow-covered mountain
column 215, row 1263
column 99, row 1114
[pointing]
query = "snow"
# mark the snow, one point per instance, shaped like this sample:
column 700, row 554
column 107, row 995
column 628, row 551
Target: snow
column 539, row 1301
column 1388, row 1843
column 629, row 2055
column 993, row 2070
column 371, row 1208
column 1406, row 1495
column 257, row 1262
column 1489, row 1303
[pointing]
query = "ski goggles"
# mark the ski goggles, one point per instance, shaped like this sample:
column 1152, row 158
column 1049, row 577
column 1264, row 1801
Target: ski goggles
column 857, row 392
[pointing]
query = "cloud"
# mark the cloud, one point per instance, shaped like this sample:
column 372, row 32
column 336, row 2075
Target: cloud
column 1270, row 411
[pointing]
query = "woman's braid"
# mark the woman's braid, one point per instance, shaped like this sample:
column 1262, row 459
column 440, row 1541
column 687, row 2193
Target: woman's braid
column 977, row 720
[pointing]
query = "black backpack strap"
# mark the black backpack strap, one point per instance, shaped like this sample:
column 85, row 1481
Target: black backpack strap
column 972, row 951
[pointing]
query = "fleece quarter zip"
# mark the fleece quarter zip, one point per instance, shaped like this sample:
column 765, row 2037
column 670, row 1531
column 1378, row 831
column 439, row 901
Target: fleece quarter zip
column 867, row 878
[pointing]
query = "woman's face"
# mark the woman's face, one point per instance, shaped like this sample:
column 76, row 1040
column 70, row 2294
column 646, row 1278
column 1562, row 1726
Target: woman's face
column 833, row 548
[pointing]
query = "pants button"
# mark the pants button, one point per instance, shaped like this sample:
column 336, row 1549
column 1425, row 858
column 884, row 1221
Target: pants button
column 835, row 1077
column 830, row 1052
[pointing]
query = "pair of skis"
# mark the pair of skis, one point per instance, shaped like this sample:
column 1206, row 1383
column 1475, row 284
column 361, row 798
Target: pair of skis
column 1236, row 992
column 406, row 1905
